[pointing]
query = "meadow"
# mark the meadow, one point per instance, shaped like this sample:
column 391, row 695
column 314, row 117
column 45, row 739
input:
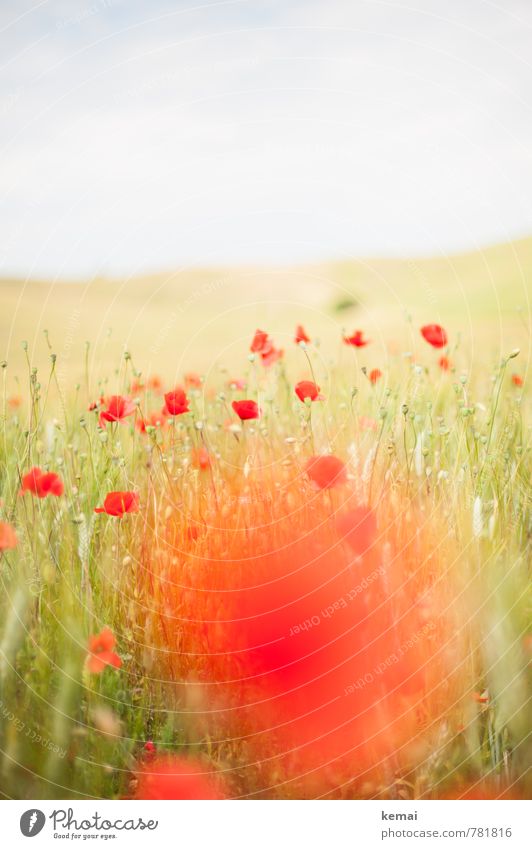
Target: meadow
column 265, row 533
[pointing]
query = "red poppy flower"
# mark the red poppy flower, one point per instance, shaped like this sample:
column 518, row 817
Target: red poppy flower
column 259, row 341
column 246, row 409
column 356, row 339
column 170, row 777
column 118, row 408
column 14, row 401
column 193, row 380
column 307, row 389
column 358, row 528
column 136, row 387
column 101, row 652
column 367, row 423
column 517, row 380
column 155, row 383
column 326, row 471
column 237, row 383
column 444, row 363
column 41, row 483
column 153, row 420
column 176, row 402
column 149, row 747
column 435, row 335
column 119, row 503
column 270, row 354
column 8, row 537
column 374, row 375
column 301, row 336
column 201, row 458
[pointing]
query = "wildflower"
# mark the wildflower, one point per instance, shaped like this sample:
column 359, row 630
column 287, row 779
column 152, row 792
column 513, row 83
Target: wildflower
column 201, row 458
column 193, row 380
column 118, row 409
column 259, row 341
column 435, row 335
column 270, row 354
column 374, row 375
column 517, row 380
column 246, row 409
column 101, row 652
column 14, row 401
column 169, row 777
column 481, row 698
column 301, row 336
column 155, row 383
column 149, row 747
column 119, row 503
column 358, row 528
column 356, row 339
column 237, row 383
column 307, row 389
column 41, row 483
column 8, row 537
column 153, row 420
column 326, row 471
column 444, row 363
column 176, row 402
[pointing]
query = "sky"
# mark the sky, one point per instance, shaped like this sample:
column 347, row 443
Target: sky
column 139, row 136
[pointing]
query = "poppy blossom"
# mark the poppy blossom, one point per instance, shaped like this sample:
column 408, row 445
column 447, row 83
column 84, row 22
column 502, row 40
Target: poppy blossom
column 8, row 537
column 153, row 420
column 358, row 528
column 169, row 777
column 517, row 380
column 149, row 747
column 136, row 387
column 259, row 341
column 201, row 458
column 41, row 483
column 14, row 401
column 367, row 423
column 118, row 409
column 119, row 503
column 270, row 354
column 435, row 335
column 301, row 336
column 356, row 339
column 101, row 652
column 444, row 363
column 237, row 383
column 193, row 380
column 307, row 389
column 374, row 375
column 176, row 402
column 246, row 409
column 326, row 471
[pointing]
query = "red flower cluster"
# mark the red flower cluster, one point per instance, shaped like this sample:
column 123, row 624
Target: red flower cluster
column 41, row 483
column 263, row 345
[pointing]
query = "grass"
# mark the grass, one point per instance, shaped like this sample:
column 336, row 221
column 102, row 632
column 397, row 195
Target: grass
column 412, row 683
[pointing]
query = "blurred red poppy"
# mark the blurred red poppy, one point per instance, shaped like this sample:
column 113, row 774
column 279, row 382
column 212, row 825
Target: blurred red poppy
column 118, row 408
column 444, row 363
column 41, row 483
column 301, row 336
column 374, row 375
column 176, row 402
column 119, row 503
column 246, row 409
column 517, row 380
column 169, row 777
column 259, row 341
column 367, row 423
column 326, row 471
column 193, row 380
column 356, row 339
column 201, row 458
column 8, row 537
column 101, row 652
column 307, row 389
column 237, row 383
column 435, row 335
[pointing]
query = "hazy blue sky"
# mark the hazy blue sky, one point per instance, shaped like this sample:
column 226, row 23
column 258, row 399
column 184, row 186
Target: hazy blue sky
column 139, row 135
